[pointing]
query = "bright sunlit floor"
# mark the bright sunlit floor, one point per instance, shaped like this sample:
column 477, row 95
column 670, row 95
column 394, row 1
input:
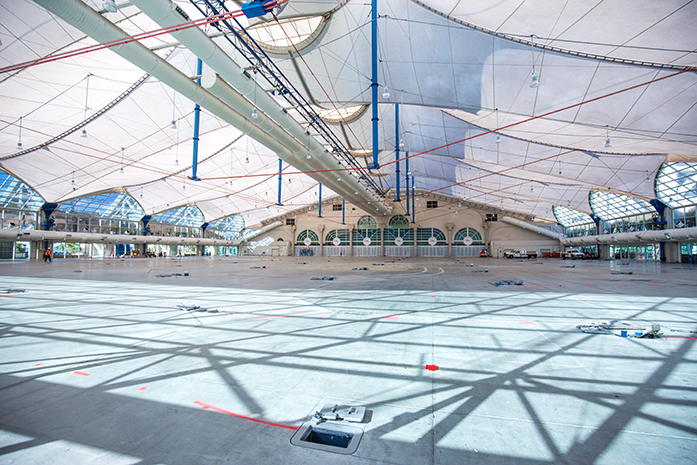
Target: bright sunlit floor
column 100, row 365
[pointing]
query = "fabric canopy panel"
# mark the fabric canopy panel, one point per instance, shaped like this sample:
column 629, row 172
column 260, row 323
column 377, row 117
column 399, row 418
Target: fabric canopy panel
column 475, row 79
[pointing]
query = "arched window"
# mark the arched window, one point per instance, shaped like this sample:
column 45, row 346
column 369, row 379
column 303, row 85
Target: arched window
column 468, row 236
column 342, row 234
column 399, row 222
column 364, row 237
column 367, row 222
column 406, row 237
column 307, row 234
column 423, row 235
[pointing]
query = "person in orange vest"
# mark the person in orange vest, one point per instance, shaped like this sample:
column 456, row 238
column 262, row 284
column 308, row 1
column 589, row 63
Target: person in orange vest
column 47, row 255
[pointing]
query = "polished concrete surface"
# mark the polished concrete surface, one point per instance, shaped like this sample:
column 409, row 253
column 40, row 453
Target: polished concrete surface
column 98, row 364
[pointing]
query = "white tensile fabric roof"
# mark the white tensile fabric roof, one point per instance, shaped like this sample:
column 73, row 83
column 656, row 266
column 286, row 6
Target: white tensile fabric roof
column 458, row 70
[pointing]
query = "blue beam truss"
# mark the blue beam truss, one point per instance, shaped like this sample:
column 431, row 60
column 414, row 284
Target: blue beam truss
column 256, row 57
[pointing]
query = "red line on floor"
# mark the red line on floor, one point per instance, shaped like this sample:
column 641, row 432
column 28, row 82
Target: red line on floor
column 426, row 282
column 142, row 388
column 432, row 367
column 81, row 373
column 7, row 296
column 210, row 407
column 388, row 318
column 38, row 364
column 278, row 316
column 679, row 337
column 526, row 323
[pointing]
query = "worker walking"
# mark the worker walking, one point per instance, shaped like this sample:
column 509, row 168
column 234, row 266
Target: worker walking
column 47, row 255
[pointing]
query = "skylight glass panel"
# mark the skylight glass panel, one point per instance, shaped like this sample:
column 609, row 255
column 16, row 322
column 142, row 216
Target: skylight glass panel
column 17, row 195
column 114, row 205
column 285, row 33
column 610, row 206
column 569, row 217
column 346, row 114
column 676, row 184
column 184, row 216
column 227, row 228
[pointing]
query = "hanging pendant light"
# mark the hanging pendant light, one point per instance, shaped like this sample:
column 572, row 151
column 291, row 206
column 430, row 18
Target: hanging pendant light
column 338, row 177
column 83, row 133
column 255, row 113
column 19, row 142
column 534, row 80
column 308, row 156
column 498, row 137
column 386, row 93
column 173, row 125
column 110, row 6
column 608, row 144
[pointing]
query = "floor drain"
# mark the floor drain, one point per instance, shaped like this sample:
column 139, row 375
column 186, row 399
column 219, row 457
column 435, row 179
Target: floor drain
column 339, row 438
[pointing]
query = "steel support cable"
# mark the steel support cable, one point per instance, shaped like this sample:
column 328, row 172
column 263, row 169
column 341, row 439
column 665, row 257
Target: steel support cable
column 258, row 58
column 124, row 40
column 126, row 18
column 96, row 115
column 550, row 48
column 43, row 104
column 329, row 99
column 527, row 120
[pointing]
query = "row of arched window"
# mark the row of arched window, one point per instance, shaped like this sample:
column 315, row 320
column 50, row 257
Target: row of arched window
column 392, row 236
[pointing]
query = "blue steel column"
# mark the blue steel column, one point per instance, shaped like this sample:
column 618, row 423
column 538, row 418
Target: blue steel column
column 320, row 200
column 280, row 170
column 396, row 143
column 197, row 116
column 343, row 211
column 406, row 160
column 413, row 206
column 374, row 84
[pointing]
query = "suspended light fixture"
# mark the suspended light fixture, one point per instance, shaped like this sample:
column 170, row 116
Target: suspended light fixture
column 308, row 156
column 559, row 167
column 608, row 144
column 255, row 113
column 534, row 80
column 87, row 93
column 338, row 177
column 122, row 151
column 83, row 133
column 386, row 93
column 246, row 160
column 498, row 137
column 110, row 6
column 173, row 125
column 19, row 142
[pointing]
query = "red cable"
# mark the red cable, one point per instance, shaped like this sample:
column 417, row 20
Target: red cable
column 124, row 40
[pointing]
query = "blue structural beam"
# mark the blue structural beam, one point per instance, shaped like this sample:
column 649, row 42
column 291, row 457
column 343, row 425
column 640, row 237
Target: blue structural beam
column 413, row 203
column 257, row 8
column 197, row 116
column 396, row 144
column 660, row 208
column 374, row 83
column 343, row 211
column 406, row 160
column 280, row 170
column 320, row 200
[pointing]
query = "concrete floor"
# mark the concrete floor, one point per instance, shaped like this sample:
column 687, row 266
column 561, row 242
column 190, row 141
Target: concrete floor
column 99, row 365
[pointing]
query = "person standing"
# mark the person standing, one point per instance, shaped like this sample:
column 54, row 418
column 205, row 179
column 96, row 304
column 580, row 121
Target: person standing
column 47, row 255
